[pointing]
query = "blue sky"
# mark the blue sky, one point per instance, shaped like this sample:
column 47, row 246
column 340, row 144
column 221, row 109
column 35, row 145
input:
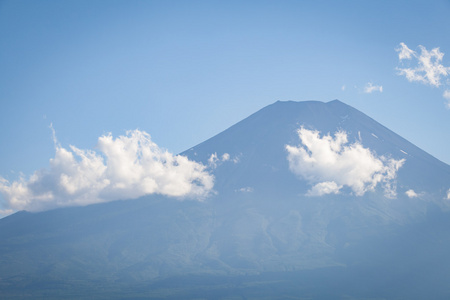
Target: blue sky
column 184, row 71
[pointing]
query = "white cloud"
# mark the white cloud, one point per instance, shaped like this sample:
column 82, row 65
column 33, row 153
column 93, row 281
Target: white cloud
column 323, row 188
column 404, row 52
column 448, row 194
column 127, row 167
column 446, row 96
column 331, row 163
column 370, row 88
column 428, row 66
column 214, row 160
column 411, row 194
column 343, row 88
column 246, row 189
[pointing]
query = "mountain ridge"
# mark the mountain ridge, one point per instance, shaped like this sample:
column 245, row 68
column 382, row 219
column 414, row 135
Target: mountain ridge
column 261, row 219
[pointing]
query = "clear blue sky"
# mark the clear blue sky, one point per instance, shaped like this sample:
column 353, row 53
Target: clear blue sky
column 184, row 71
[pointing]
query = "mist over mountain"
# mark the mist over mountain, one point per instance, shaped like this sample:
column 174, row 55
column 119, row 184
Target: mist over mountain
column 306, row 195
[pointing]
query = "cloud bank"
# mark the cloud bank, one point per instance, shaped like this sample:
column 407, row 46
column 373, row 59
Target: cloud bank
column 125, row 167
column 330, row 163
column 426, row 67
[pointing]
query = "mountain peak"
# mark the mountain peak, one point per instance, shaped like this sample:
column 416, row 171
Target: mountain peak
column 273, row 211
column 313, row 105
column 335, row 101
column 259, row 142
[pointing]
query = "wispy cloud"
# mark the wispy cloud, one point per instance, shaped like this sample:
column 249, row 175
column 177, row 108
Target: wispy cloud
column 331, row 163
column 370, row 88
column 246, row 189
column 446, row 96
column 5, row 212
column 214, row 160
column 425, row 67
column 126, row 167
column 404, row 52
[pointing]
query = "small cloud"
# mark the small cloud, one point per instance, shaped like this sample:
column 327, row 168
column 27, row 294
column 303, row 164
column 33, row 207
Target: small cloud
column 332, row 162
column 214, row 161
column 404, row 52
column 343, row 88
column 426, row 66
column 246, row 189
column 411, row 194
column 55, row 140
column 236, row 159
column 446, row 96
column 324, row 188
column 370, row 88
column 448, row 194
column 127, row 167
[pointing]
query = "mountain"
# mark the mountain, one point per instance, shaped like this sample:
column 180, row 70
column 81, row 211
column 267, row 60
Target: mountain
column 374, row 224
column 260, row 140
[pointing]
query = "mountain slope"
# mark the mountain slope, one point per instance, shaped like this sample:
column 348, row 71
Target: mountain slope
column 259, row 220
column 259, row 140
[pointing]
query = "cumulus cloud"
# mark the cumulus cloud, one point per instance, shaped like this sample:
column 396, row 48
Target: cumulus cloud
column 323, row 188
column 411, row 194
column 425, row 67
column 331, row 163
column 370, row 88
column 125, row 167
